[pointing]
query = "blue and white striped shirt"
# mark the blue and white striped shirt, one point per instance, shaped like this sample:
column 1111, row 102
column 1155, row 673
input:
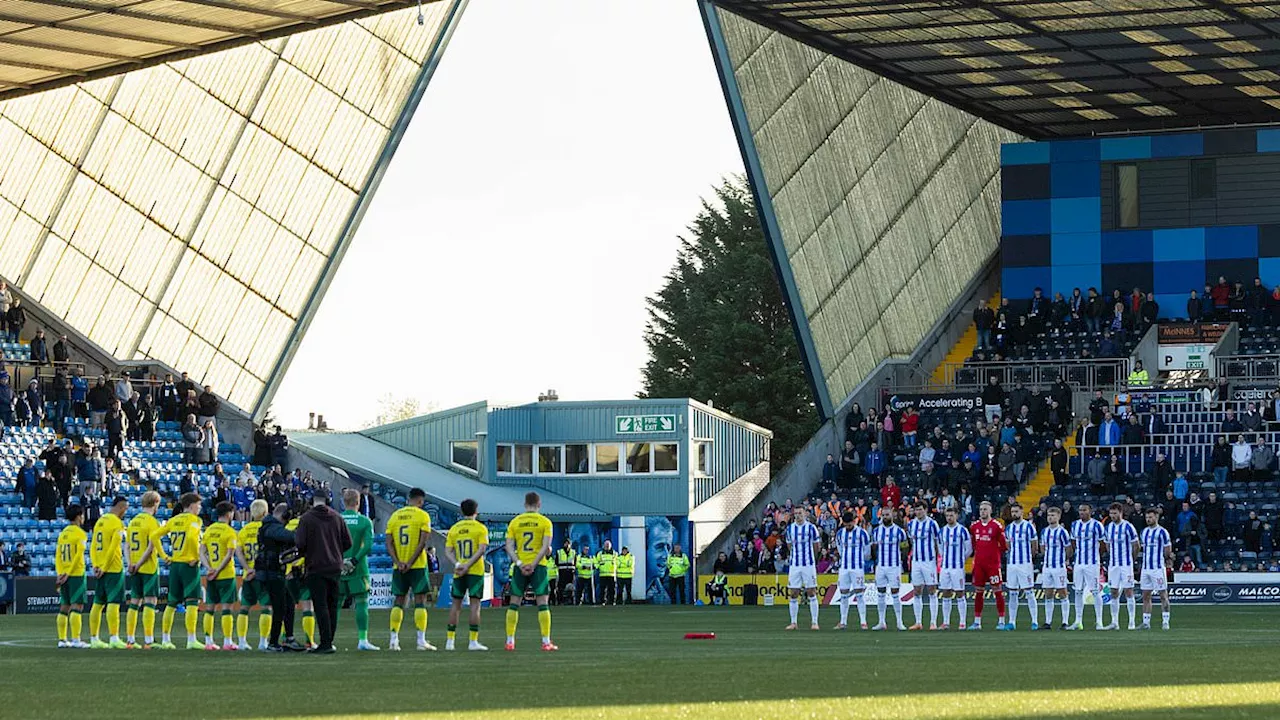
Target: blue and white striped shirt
column 1120, row 537
column 1154, row 541
column 800, row 539
column 924, row 540
column 888, row 549
column 1086, row 535
column 853, row 545
column 1054, row 540
column 956, row 546
column 1020, row 534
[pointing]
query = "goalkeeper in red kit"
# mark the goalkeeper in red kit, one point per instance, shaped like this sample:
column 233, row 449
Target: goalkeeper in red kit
column 988, row 547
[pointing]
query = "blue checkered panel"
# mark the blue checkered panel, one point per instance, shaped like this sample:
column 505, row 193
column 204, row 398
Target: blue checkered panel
column 1060, row 227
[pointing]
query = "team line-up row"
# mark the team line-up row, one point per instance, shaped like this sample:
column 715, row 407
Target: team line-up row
column 939, row 553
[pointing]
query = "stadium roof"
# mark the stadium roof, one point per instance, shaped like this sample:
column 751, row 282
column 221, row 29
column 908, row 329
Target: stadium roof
column 51, row 43
column 371, row 459
column 1069, row 68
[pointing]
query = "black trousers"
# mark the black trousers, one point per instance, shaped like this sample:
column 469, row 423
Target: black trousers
column 608, row 591
column 324, row 600
column 565, row 578
column 624, row 591
column 675, row 588
column 281, row 608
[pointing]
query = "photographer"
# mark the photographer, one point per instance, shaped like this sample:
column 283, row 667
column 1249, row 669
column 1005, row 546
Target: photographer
column 322, row 537
column 274, row 540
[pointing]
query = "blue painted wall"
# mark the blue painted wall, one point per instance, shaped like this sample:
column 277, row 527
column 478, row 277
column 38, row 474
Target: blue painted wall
column 1054, row 234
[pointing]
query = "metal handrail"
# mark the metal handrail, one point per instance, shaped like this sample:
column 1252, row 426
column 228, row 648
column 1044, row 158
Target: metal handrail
column 1083, row 373
column 1179, row 455
column 1250, row 368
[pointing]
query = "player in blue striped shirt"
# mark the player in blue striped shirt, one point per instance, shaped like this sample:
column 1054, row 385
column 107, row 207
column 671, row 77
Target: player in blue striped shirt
column 887, row 540
column 1021, row 539
column 804, row 542
column 1086, row 533
column 923, row 531
column 1120, row 539
column 1157, row 550
column 957, row 546
column 853, row 543
column 1054, row 541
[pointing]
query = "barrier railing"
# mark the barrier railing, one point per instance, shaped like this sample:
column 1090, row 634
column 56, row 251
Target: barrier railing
column 1107, row 375
column 1250, row 368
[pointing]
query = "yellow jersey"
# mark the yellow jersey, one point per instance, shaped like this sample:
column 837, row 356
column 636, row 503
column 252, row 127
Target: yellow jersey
column 403, row 527
column 70, row 558
column 107, row 549
column 292, row 525
column 219, row 544
column 529, row 531
column 468, row 538
column 248, row 541
column 183, row 531
column 140, row 534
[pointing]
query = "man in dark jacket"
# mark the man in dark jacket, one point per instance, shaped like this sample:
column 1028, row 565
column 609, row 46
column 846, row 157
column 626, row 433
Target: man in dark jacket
column 322, row 537
column 273, row 539
column 62, row 350
column 39, row 349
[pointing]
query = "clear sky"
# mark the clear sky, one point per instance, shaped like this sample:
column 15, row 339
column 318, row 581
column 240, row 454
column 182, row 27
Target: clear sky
column 536, row 200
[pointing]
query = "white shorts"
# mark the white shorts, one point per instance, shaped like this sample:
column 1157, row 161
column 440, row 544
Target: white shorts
column 1154, row 580
column 952, row 579
column 1020, row 577
column 802, row 578
column 852, row 580
column 888, row 577
column 924, row 574
column 1053, row 578
column 1121, row 578
column 1086, row 578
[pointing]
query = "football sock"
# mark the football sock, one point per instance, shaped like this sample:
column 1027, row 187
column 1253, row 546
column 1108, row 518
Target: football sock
column 794, row 605
column 513, row 618
column 844, row 609
column 450, row 631
column 1013, row 607
column 962, row 605
column 113, row 619
column 148, row 621
column 309, row 626
column 813, row 610
column 1097, row 610
column 191, row 620
column 1066, row 609
column 131, row 622
column 76, row 625
column 1133, row 609
column 208, row 625
column 897, row 608
column 1146, row 618
column 95, row 621
column 420, row 618
column 1115, row 609
column 977, row 606
column 1030, row 596
column 62, row 627
column 242, row 626
column 946, row 610
column 862, row 608
column 227, row 625
column 264, row 624
column 933, row 609
column 362, row 620
column 880, row 602
column 544, row 622
column 397, row 619
column 999, row 604
column 1164, row 616
column 166, row 623
column 473, row 633
column 1048, row 611
column 1080, row 607
column 917, row 605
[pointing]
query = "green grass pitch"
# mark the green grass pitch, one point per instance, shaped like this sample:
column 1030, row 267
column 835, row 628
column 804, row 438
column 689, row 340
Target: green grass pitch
column 1217, row 662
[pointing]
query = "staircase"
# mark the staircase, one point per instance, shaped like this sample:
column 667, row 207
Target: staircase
column 962, row 350
column 1042, row 481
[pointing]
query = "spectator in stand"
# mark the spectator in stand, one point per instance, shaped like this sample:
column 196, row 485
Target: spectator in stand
column 1150, row 312
column 1108, row 431
column 848, row 464
column 1161, row 472
column 1059, row 311
column 1117, row 321
column 910, row 426
column 6, row 299
column 279, row 443
column 62, row 350
column 1094, row 309
column 852, row 420
column 1220, row 460
column 874, row 463
column 1058, row 462
column 21, row 410
column 47, row 497
column 1139, row 377
column 79, row 394
column 983, row 319
column 6, row 402
column 1115, row 479
column 99, row 400
column 1263, row 460
column 1107, row 347
column 831, row 471
column 209, row 405
column 1253, row 533
column 888, row 428
column 123, row 389
column 27, row 480
column 1214, row 514
column 16, row 319
column 992, row 398
column 1231, row 425
column 170, row 399
column 1232, row 521
column 1007, row 432
column 890, row 494
column 1006, row 461
column 146, row 420
column 1098, row 407
column 39, row 349
column 117, row 424
column 1256, row 300
column 1186, row 566
column 1241, row 460
column 1251, row 419
column 1132, row 433
column 1221, row 296
column 192, row 440
column 927, row 455
column 1195, row 308
column 942, row 456
column 1180, row 486
column 209, row 442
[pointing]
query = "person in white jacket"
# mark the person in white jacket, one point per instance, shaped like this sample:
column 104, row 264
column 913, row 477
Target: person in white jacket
column 1241, row 459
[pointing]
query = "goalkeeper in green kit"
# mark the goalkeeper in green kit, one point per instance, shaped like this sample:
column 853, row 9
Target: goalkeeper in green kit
column 354, row 583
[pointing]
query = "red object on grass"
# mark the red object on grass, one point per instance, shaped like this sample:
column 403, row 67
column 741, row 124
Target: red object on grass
column 699, row 636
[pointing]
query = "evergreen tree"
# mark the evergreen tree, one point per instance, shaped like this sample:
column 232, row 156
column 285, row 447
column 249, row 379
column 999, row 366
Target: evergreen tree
column 719, row 331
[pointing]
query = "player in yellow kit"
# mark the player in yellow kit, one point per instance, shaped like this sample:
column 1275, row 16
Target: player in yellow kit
column 69, row 564
column 529, row 542
column 143, row 581
column 106, row 552
column 253, row 595
column 465, row 546
column 407, row 532
column 218, row 554
column 183, row 533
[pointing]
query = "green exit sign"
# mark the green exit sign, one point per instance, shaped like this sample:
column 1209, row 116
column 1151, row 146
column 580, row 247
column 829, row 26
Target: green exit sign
column 643, row 424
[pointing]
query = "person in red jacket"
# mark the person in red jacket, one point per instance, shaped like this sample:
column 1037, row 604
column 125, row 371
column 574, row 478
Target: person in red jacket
column 1221, row 294
column 890, row 494
column 910, row 424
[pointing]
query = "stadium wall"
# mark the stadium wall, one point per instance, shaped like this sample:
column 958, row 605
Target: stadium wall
column 1204, row 202
column 879, row 203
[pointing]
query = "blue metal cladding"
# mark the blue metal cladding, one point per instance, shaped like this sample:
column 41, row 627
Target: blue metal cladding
column 735, row 448
column 428, row 437
column 1052, row 234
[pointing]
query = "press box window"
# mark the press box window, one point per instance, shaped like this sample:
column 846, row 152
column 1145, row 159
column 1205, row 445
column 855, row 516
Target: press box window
column 463, row 453
column 638, row 460
column 703, row 458
column 1127, row 196
column 1204, row 179
column 504, row 458
column 577, row 460
column 524, row 459
column 666, row 457
column 607, row 458
column 549, row 458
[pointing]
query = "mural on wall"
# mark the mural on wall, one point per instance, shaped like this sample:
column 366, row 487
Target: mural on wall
column 661, row 535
